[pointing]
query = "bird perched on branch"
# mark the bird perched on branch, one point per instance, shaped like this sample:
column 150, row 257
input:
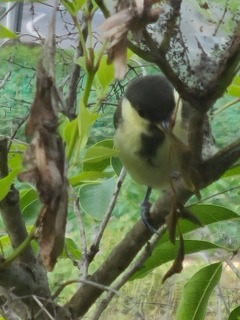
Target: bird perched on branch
column 152, row 133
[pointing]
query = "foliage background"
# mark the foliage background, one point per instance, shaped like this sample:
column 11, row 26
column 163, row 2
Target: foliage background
column 139, row 297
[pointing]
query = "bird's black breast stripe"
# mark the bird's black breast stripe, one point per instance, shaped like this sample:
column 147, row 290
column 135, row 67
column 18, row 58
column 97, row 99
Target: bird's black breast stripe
column 150, row 144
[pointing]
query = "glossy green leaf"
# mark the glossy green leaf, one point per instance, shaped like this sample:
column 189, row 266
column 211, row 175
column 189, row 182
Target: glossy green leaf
column 116, row 165
column 71, row 250
column 95, row 198
column 5, row 183
column 73, row 6
column 196, row 293
column 85, row 120
column 77, row 131
column 87, row 177
column 29, row 201
column 207, row 214
column 210, row 213
column 167, row 252
column 235, row 314
column 96, row 166
column 105, row 73
column 98, row 157
column 15, row 161
column 96, row 154
column 5, row 244
column 6, row 33
column 232, row 172
column 234, row 88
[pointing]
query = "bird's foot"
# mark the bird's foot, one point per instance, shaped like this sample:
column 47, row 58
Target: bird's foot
column 145, row 214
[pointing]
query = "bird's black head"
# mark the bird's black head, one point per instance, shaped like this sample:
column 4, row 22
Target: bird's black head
column 152, row 96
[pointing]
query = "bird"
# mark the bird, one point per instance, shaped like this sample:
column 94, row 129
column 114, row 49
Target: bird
column 146, row 120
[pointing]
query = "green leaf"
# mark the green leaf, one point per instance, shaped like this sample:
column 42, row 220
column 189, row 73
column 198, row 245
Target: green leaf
column 232, row 172
column 73, row 6
column 207, row 214
column 95, row 198
column 81, row 61
column 98, row 157
column 116, row 165
column 196, row 293
column 29, row 201
column 5, row 244
column 210, row 213
column 105, row 73
column 71, row 249
column 235, row 314
column 6, row 33
column 87, row 177
column 85, row 120
column 234, row 88
column 96, row 154
column 167, row 252
column 5, row 183
column 77, row 131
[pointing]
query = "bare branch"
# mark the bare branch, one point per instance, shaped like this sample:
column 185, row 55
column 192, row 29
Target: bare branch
column 95, row 246
column 83, row 264
column 10, row 209
column 71, row 99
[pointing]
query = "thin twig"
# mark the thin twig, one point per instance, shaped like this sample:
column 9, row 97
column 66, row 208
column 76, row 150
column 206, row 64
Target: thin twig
column 35, row 298
column 221, row 20
column 5, row 80
column 95, row 246
column 83, row 263
column 21, row 122
column 232, row 267
column 98, row 285
column 130, row 271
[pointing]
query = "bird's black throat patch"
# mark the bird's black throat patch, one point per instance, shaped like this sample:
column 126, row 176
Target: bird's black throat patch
column 150, row 143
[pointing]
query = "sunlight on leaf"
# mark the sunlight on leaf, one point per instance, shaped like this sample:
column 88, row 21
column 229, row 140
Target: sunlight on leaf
column 234, row 88
column 6, row 33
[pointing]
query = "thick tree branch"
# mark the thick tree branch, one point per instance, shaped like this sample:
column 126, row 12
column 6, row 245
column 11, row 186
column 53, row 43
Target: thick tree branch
column 213, row 168
column 10, row 209
column 20, row 279
column 123, row 254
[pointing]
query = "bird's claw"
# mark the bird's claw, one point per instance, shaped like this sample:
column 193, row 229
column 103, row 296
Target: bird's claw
column 145, row 214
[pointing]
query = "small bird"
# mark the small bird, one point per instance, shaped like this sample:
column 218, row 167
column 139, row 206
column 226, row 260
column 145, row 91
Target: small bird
column 145, row 121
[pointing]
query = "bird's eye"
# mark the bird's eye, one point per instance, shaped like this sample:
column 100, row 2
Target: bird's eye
column 141, row 113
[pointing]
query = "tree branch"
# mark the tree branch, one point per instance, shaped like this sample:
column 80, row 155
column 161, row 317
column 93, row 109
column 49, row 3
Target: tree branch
column 71, row 99
column 10, row 209
column 123, row 254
